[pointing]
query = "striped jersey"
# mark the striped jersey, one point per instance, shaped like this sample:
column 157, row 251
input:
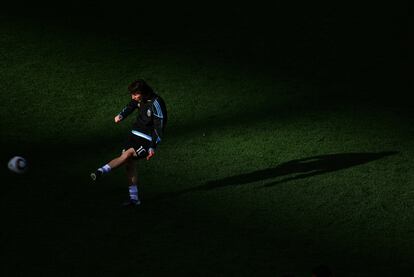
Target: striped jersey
column 151, row 118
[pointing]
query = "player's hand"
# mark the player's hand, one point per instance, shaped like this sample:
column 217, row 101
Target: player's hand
column 118, row 118
column 151, row 153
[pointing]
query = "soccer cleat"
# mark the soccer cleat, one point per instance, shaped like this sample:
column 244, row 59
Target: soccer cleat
column 96, row 175
column 131, row 203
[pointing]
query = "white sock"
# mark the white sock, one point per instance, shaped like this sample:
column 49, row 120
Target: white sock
column 105, row 169
column 133, row 192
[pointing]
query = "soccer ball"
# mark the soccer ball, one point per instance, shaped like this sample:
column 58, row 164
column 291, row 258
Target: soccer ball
column 18, row 164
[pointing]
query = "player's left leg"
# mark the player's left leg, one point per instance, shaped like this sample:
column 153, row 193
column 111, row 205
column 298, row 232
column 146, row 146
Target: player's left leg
column 126, row 156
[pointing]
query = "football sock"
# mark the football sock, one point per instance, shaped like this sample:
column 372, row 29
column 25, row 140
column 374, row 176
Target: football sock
column 133, row 192
column 105, row 169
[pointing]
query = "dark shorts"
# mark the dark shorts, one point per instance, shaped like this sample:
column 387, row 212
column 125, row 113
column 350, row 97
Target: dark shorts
column 139, row 144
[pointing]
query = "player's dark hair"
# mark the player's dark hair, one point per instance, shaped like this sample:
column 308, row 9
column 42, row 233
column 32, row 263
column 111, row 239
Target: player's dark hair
column 142, row 87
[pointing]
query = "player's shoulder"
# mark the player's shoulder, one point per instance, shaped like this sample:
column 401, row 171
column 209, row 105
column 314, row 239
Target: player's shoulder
column 158, row 105
column 156, row 99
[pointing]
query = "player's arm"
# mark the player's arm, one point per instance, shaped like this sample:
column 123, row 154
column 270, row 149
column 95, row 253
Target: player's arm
column 157, row 132
column 127, row 110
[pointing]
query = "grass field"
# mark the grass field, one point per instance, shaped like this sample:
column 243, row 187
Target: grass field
column 281, row 153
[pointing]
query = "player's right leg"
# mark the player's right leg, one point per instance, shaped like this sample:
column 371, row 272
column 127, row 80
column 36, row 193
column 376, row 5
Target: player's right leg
column 117, row 162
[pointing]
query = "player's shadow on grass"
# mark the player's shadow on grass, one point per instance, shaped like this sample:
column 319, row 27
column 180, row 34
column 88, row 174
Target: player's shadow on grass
column 295, row 169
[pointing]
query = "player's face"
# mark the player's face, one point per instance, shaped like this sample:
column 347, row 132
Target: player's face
column 136, row 96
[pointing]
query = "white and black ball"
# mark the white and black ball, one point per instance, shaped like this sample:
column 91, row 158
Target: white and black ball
column 18, row 164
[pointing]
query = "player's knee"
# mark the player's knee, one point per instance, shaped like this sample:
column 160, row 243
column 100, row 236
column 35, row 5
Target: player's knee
column 125, row 155
column 129, row 153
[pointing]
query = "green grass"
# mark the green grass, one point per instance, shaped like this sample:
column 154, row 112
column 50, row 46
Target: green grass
column 228, row 120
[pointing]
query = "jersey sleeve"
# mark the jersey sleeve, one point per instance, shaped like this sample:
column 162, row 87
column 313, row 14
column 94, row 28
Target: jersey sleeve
column 128, row 109
column 159, row 119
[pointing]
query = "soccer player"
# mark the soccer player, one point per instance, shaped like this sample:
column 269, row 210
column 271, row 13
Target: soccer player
column 146, row 133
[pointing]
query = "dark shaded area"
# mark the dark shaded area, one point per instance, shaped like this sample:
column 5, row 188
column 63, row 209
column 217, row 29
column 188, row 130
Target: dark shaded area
column 306, row 167
column 365, row 47
column 360, row 43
